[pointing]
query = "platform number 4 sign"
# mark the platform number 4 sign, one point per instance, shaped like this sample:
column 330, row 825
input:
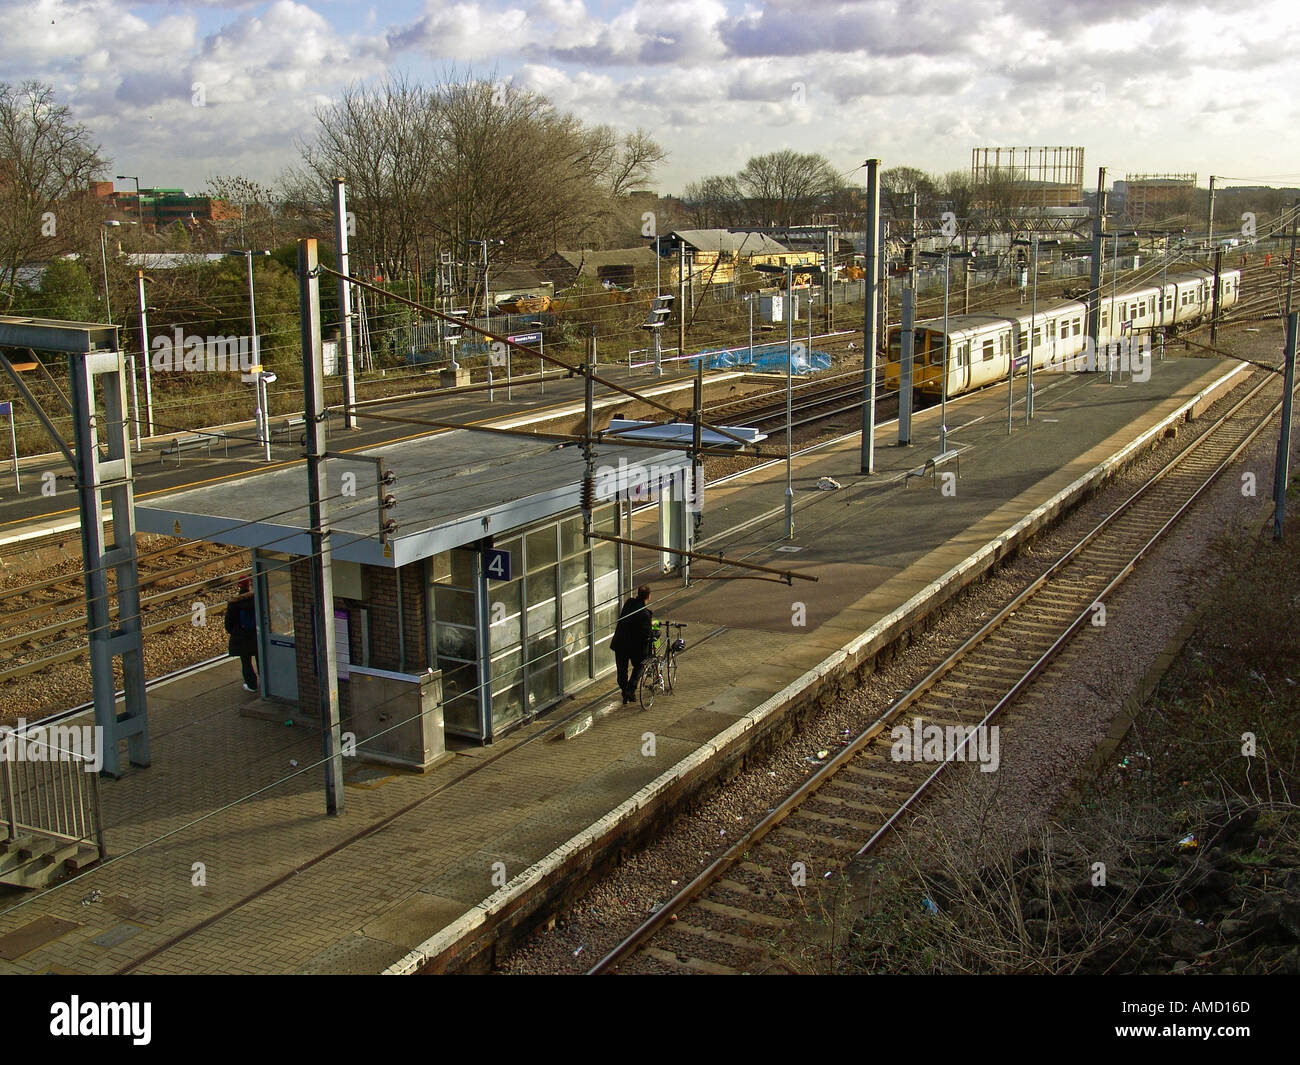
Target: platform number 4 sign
column 497, row 563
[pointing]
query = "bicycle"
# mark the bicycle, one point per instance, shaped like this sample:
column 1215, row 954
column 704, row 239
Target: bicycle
column 660, row 671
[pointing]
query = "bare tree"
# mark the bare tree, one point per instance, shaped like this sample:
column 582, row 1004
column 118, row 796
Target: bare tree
column 634, row 163
column 46, row 163
column 899, row 183
column 715, row 201
column 787, row 187
column 383, row 143
column 444, row 168
column 260, row 221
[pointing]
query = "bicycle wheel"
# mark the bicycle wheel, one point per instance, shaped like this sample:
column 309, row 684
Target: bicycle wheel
column 670, row 673
column 649, row 681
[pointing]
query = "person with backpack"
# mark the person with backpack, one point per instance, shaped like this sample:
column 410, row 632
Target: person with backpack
column 631, row 641
column 241, row 624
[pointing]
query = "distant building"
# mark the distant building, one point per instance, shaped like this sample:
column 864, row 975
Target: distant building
column 515, row 283
column 1153, row 197
column 715, row 255
column 618, row 267
column 159, row 208
column 1028, row 177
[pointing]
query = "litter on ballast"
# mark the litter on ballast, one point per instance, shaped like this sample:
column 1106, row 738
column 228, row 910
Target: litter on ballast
column 828, row 484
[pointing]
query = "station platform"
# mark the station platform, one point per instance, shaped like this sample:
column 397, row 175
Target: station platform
column 222, row 859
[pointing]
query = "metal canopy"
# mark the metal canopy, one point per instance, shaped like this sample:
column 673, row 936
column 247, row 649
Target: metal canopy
column 451, row 489
column 680, row 433
column 45, row 334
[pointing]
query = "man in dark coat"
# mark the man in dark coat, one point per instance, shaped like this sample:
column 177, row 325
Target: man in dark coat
column 631, row 641
column 241, row 623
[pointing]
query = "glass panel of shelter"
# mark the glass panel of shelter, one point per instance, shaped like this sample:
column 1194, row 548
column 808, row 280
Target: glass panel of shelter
column 454, row 638
column 537, row 652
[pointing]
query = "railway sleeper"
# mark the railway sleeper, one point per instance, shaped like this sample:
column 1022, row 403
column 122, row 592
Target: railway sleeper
column 726, row 939
column 727, row 891
column 835, row 843
column 695, row 965
column 828, row 819
column 869, row 814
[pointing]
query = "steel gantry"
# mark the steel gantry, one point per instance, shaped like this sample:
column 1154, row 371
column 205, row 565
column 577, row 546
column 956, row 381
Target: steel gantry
column 101, row 456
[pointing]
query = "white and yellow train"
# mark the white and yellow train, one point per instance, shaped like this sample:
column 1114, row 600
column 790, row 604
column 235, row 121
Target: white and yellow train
column 984, row 343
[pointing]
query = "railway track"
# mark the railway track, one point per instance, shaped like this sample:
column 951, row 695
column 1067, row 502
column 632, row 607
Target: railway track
column 812, row 401
column 44, row 624
column 734, row 917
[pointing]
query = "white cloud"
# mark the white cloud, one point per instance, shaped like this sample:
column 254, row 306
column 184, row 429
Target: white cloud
column 1175, row 84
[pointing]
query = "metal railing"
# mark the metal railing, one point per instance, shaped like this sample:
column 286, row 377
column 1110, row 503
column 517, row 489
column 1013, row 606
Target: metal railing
column 57, row 797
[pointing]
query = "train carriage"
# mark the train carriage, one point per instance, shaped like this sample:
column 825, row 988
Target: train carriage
column 984, row 343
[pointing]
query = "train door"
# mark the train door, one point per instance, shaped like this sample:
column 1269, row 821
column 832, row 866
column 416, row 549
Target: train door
column 961, row 368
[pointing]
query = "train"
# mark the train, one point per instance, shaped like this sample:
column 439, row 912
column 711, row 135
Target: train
column 984, row 343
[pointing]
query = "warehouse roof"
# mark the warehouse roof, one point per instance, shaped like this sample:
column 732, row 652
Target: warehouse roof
column 725, row 240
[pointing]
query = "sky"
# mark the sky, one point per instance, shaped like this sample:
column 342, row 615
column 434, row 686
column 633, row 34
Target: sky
column 180, row 92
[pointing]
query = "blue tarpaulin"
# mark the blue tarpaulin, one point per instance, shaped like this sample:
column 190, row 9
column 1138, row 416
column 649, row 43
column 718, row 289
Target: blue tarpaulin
column 768, row 358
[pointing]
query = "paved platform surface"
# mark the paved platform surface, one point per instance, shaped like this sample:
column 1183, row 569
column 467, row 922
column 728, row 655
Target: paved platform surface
column 224, row 861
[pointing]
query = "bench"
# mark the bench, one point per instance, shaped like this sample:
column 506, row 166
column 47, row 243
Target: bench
column 194, row 442
column 297, row 423
column 933, row 465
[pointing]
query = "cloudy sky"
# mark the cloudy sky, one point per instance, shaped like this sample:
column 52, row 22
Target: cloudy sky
column 1144, row 86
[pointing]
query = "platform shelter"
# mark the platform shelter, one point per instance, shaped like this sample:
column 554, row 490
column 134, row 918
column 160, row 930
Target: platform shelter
column 486, row 577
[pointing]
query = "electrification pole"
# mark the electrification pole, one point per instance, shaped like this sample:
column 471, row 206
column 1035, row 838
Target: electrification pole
column 318, row 493
column 681, row 297
column 1281, row 467
column 345, row 305
column 1209, row 225
column 870, row 295
column 789, row 400
column 1098, row 249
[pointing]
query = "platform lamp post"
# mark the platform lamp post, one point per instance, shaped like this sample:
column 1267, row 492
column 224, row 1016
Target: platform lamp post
column 789, row 400
column 139, row 208
column 483, row 246
column 264, row 379
column 947, row 255
column 808, row 353
column 103, row 262
column 130, row 359
column 1035, row 243
column 261, row 414
column 654, row 244
column 1164, row 281
column 1114, row 285
column 749, row 300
